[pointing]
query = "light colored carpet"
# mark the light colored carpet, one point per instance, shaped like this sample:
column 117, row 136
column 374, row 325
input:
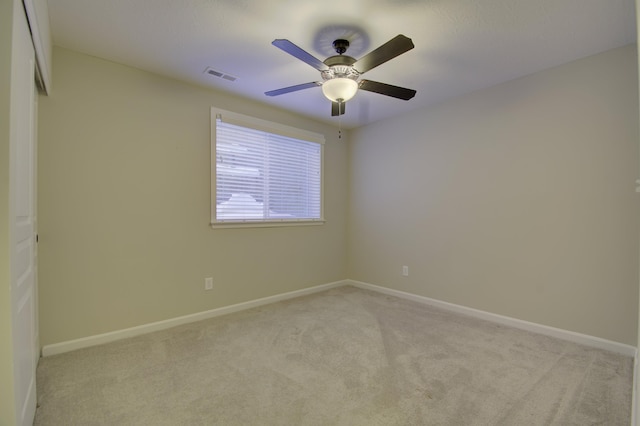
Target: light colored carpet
column 341, row 357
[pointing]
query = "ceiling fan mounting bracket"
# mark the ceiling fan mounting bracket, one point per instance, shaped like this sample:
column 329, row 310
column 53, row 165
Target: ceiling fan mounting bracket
column 341, row 45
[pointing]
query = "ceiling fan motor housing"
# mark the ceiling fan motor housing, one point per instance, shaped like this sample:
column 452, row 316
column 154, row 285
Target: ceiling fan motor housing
column 340, row 65
column 340, row 71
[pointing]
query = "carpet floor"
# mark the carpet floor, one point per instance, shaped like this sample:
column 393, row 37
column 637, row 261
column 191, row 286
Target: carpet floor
column 345, row 356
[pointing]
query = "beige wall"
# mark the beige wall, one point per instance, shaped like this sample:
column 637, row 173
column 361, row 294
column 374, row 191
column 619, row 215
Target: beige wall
column 124, row 205
column 7, row 407
column 517, row 200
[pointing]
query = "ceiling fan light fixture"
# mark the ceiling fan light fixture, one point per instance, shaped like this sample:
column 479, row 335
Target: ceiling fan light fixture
column 339, row 89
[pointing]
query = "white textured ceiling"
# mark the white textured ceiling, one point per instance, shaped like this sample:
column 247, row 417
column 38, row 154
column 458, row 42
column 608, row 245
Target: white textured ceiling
column 461, row 45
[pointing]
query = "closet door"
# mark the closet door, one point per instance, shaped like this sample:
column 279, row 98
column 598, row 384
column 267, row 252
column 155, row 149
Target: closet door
column 22, row 216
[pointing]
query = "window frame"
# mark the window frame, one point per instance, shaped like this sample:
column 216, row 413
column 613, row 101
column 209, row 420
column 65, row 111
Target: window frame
column 269, row 127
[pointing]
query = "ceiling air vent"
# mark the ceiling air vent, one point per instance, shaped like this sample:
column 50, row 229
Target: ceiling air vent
column 219, row 74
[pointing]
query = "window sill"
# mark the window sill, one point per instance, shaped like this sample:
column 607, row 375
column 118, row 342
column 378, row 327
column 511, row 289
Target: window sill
column 263, row 224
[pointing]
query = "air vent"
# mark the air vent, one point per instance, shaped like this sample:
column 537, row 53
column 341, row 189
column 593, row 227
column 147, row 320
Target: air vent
column 219, row 74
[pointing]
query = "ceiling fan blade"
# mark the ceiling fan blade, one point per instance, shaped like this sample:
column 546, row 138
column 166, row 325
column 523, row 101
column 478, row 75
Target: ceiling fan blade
column 293, row 88
column 387, row 89
column 337, row 108
column 394, row 47
column 299, row 53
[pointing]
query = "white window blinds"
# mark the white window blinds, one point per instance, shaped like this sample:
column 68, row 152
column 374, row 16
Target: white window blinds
column 265, row 172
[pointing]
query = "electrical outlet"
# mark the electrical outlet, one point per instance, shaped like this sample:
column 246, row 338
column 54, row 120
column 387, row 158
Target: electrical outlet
column 208, row 283
column 405, row 271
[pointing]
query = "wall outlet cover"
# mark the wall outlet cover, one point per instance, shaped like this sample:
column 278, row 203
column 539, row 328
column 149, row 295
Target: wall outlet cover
column 208, row 283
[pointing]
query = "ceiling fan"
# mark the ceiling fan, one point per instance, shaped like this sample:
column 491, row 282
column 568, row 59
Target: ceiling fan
column 340, row 73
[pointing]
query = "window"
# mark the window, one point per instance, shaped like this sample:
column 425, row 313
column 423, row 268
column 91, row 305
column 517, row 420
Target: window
column 264, row 174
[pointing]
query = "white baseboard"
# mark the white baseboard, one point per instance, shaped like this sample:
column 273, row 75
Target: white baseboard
column 99, row 339
column 584, row 339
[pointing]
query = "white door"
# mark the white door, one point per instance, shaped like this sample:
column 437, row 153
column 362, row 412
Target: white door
column 22, row 215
